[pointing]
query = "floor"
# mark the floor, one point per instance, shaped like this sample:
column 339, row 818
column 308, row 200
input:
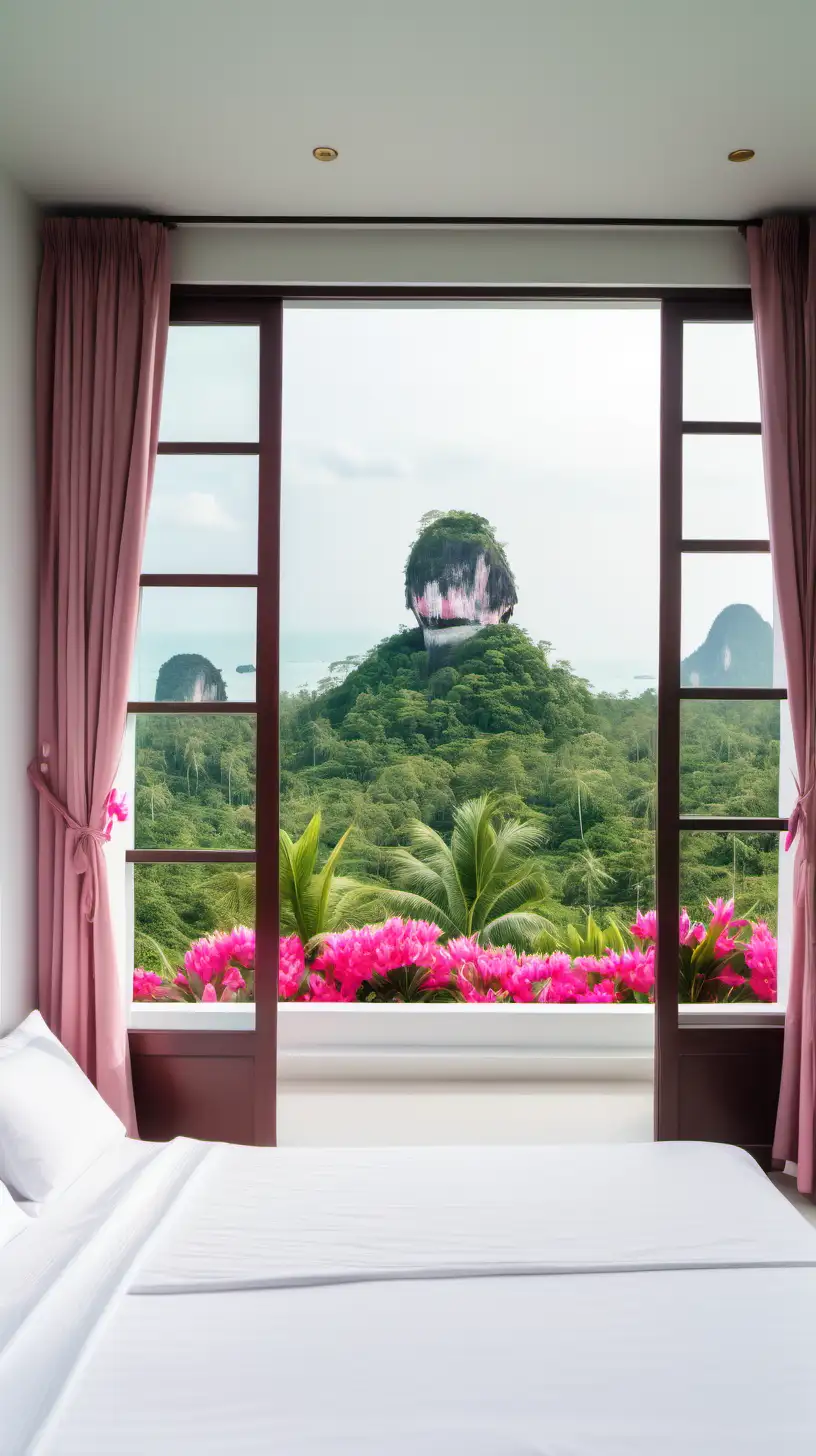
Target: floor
column 787, row 1185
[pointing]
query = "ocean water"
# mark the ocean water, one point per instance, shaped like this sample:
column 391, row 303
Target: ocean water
column 306, row 659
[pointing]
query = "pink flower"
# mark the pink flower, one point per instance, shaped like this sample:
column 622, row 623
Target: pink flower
column 291, row 966
column 690, row 934
column 145, row 984
column 761, row 960
column 354, row 956
column 603, row 991
column 763, row 985
column 232, row 981
column 208, row 994
column 722, row 915
column 438, row 979
column 721, row 912
column 725, row 946
column 323, row 990
column 114, row 808
column 730, row 977
column 238, row 945
column 645, row 926
column 634, row 969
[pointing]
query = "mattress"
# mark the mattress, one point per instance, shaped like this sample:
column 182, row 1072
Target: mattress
column 562, row 1300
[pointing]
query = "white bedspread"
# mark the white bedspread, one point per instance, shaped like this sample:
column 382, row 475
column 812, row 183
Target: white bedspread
column 685, row 1363
column 255, row 1219
column 324, row 1303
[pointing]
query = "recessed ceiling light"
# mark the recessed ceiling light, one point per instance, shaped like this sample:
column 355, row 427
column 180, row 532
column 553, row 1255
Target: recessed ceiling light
column 325, row 154
column 742, row 154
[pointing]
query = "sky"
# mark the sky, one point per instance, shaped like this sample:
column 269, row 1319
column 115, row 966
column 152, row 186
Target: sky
column 544, row 419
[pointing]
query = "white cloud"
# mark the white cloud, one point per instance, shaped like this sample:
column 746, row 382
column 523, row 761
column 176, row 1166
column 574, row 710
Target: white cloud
column 197, row 510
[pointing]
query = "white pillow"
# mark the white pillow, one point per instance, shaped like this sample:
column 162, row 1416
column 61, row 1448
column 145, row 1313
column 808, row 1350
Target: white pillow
column 53, row 1122
column 12, row 1218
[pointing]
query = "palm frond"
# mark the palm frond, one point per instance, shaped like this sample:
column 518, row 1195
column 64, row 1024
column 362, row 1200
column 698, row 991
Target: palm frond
column 528, row 890
column 471, row 841
column 416, row 907
column 519, row 929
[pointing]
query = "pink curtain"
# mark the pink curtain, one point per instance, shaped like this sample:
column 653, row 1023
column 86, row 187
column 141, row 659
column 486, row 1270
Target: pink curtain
column 102, row 325
column 782, row 254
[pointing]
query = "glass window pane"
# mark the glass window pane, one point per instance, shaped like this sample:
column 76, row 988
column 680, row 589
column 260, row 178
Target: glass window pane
column 720, row 378
column 196, row 645
column 176, row 907
column 738, row 962
column 724, row 488
column 518, row 658
column 211, row 383
column 203, row 514
column 727, row 621
column 729, row 758
column 195, row 781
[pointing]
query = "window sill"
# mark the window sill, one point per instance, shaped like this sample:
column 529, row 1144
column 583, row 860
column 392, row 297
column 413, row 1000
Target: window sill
column 338, row 1042
column 742, row 1016
column 343, row 1043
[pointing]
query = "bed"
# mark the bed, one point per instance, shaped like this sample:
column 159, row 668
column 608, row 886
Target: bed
column 576, row 1301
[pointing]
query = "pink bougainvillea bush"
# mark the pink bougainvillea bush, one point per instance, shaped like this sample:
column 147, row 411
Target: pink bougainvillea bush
column 406, row 960
column 218, row 967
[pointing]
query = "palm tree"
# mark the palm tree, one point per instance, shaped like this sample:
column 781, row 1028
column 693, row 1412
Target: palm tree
column 579, row 783
column 644, row 803
column 312, row 901
column 484, row 884
column 234, row 892
column 153, row 791
column 234, row 761
column 586, row 873
column 193, row 751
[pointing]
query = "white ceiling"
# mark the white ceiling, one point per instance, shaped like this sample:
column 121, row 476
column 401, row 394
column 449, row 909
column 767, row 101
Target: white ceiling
column 558, row 108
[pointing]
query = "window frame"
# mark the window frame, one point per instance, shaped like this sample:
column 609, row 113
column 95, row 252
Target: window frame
column 672, row 1019
column 257, row 1028
column 608, row 1029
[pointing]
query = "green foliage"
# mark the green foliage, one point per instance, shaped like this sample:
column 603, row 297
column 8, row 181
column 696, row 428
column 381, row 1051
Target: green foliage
column 486, row 883
column 398, row 741
column 592, row 940
column 311, row 900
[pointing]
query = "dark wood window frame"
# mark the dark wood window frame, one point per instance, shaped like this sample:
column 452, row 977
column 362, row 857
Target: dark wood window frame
column 174, row 1071
column 251, row 1055
column 681, row 1094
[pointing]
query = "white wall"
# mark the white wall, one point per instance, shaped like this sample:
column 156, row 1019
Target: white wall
column 18, row 648
column 537, row 257
column 379, row 1114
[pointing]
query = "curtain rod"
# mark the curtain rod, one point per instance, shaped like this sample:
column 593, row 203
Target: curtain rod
column 226, row 220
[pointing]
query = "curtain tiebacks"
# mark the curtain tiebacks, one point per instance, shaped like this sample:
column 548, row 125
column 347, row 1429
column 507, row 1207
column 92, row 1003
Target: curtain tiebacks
column 87, row 841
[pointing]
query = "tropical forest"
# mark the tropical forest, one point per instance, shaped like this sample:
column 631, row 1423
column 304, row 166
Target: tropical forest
column 461, row 817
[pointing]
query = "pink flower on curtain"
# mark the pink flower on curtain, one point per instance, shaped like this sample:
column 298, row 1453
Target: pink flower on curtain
column 116, row 810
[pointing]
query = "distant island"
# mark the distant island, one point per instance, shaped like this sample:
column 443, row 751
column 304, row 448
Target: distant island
column 737, row 653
